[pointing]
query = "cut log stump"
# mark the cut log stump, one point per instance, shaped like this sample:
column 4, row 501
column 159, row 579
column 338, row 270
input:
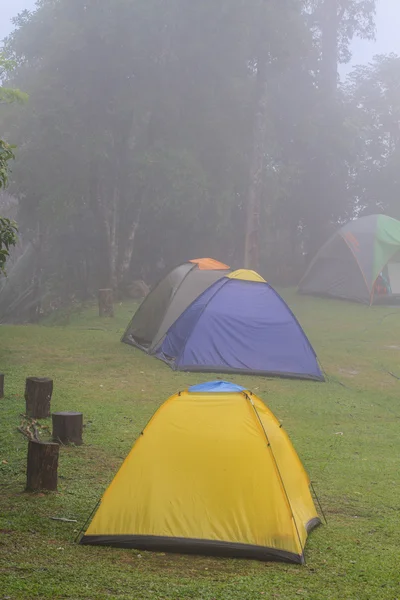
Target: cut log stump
column 106, row 306
column 68, row 427
column 38, row 391
column 1, row 385
column 41, row 472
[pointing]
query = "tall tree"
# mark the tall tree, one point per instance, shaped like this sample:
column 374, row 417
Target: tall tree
column 8, row 228
column 275, row 23
column 163, row 129
column 374, row 93
column 335, row 23
column 113, row 109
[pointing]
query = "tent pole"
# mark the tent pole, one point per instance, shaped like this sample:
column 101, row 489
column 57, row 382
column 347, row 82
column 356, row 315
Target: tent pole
column 278, row 471
column 319, row 503
column 87, row 521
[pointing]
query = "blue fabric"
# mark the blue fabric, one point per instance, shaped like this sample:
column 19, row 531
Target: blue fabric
column 216, row 386
column 238, row 325
column 176, row 337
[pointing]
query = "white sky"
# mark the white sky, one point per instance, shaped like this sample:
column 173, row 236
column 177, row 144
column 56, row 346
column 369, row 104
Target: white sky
column 387, row 33
column 9, row 9
column 387, row 21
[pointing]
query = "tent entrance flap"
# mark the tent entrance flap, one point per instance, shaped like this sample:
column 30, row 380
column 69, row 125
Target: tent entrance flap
column 394, row 277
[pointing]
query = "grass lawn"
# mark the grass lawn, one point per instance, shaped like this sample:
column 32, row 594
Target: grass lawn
column 346, row 431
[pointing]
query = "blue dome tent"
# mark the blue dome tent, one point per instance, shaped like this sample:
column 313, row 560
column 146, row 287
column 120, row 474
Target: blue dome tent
column 240, row 325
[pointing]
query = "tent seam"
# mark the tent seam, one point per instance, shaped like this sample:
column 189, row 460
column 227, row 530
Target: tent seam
column 200, row 315
column 154, row 341
column 370, row 292
column 255, row 411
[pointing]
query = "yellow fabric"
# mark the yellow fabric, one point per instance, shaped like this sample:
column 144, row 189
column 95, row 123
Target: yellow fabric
column 203, row 469
column 246, row 275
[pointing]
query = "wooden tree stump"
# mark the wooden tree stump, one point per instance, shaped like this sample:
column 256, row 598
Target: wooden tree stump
column 106, row 307
column 1, row 385
column 41, row 472
column 38, row 391
column 68, row 427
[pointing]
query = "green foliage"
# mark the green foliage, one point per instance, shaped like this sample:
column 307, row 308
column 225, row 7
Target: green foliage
column 7, row 96
column 8, row 229
column 354, row 18
column 8, row 238
column 345, row 431
column 6, row 154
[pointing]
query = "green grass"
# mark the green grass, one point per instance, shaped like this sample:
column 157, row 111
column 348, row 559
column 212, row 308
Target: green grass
column 346, row 431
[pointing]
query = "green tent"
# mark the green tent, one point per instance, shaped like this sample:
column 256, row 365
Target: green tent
column 360, row 262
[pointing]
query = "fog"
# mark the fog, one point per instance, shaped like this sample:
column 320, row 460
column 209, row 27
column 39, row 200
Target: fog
column 387, row 29
column 150, row 136
column 387, row 39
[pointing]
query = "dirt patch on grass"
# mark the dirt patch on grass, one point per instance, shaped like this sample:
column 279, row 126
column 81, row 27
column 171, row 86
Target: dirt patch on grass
column 349, row 372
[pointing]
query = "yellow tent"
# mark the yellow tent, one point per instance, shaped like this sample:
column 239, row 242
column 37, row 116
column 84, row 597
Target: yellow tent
column 212, row 473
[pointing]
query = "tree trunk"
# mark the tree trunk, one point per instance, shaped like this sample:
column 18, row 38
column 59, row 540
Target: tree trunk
column 1, row 385
column 126, row 254
column 322, row 189
column 112, row 238
column 106, row 307
column 68, row 427
column 121, row 195
column 251, row 251
column 329, row 49
column 35, row 308
column 41, row 473
column 106, row 211
column 38, row 391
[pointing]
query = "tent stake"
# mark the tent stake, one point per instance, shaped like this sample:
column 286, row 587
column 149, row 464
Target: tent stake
column 319, row 503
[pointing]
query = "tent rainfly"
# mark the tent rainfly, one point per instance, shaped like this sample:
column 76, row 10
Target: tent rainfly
column 239, row 325
column 213, row 473
column 350, row 265
column 168, row 299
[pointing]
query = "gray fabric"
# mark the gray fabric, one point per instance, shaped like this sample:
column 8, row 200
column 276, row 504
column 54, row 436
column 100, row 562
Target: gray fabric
column 166, row 302
column 394, row 277
column 149, row 316
column 195, row 283
column 334, row 272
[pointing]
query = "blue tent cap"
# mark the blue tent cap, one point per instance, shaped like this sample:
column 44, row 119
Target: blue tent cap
column 217, row 386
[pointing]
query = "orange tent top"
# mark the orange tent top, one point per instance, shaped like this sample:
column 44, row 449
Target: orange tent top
column 209, row 264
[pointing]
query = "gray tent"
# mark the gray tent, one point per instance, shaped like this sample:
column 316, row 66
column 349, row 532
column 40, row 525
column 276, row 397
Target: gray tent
column 169, row 299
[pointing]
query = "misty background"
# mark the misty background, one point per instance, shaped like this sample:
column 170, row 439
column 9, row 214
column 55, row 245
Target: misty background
column 158, row 132
column 387, row 22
